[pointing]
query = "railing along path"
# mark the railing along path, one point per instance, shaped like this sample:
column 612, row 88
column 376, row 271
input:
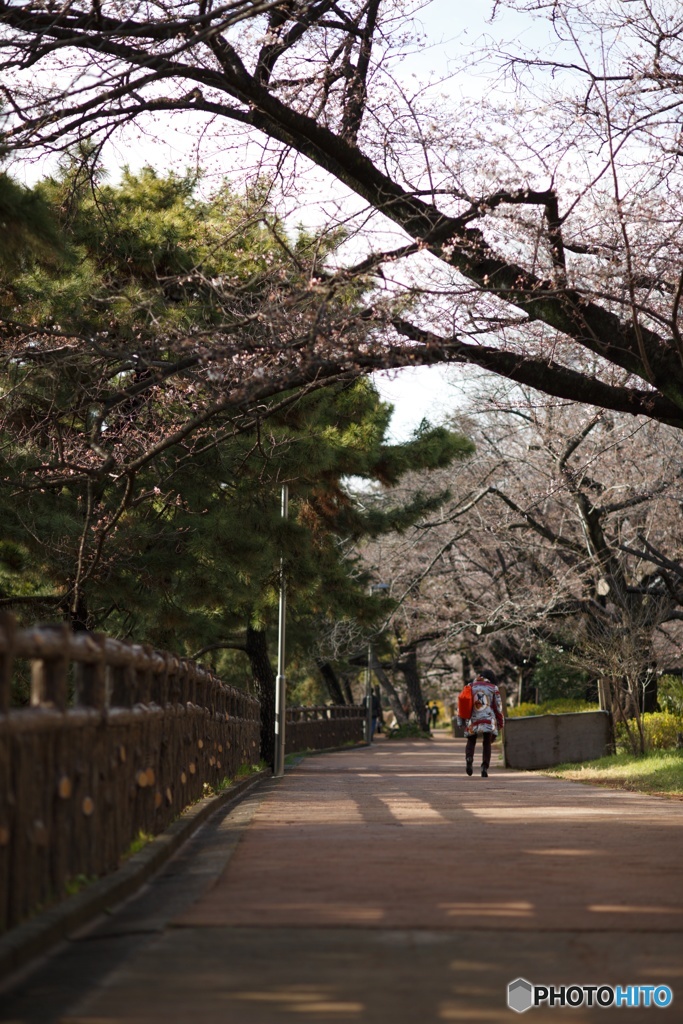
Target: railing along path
column 318, row 727
column 118, row 740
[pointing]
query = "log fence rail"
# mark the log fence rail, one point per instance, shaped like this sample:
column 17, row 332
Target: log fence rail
column 143, row 736
column 323, row 726
column 118, row 740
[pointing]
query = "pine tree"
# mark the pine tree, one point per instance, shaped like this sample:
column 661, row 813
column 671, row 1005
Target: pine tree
column 135, row 502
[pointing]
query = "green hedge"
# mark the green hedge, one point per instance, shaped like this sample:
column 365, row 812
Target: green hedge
column 552, row 707
column 661, row 728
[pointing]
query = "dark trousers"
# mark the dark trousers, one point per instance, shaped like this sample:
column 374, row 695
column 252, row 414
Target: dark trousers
column 486, row 740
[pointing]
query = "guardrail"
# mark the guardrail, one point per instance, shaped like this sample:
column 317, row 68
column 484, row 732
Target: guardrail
column 118, row 740
column 324, row 726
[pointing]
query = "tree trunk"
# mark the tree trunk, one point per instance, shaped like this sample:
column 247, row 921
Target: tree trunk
column 78, row 617
column 390, row 691
column 408, row 666
column 348, row 693
column 625, row 705
column 264, row 678
column 333, row 685
column 650, row 690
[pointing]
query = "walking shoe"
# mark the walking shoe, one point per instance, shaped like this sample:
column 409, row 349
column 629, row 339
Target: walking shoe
column 468, row 767
column 484, row 773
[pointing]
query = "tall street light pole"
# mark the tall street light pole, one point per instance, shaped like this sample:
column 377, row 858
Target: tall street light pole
column 281, row 681
column 374, row 589
column 368, row 697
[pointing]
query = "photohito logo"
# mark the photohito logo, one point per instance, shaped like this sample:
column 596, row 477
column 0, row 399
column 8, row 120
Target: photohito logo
column 522, row 995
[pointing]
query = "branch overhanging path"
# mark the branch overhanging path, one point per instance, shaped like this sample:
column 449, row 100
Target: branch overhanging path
column 643, row 369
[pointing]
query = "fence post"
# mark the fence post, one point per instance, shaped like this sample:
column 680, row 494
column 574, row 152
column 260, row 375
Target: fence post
column 49, row 675
column 8, row 626
column 143, row 674
column 90, row 678
column 123, row 689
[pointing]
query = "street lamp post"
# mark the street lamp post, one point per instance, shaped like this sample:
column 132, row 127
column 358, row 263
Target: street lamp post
column 368, row 697
column 281, row 681
column 374, row 589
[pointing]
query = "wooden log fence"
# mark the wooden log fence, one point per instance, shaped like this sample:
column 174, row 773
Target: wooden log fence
column 117, row 741
column 319, row 728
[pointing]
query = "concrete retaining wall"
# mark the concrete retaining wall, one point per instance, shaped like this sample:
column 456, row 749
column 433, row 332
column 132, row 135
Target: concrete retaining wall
column 547, row 740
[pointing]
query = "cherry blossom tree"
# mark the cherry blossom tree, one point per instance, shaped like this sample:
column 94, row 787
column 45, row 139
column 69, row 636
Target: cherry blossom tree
column 563, row 530
column 536, row 231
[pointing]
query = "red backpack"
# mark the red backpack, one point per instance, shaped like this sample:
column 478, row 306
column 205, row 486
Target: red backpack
column 465, row 702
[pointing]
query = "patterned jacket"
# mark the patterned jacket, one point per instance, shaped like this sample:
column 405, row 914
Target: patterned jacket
column 487, row 712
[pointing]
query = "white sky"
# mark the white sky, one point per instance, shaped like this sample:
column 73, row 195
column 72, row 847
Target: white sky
column 417, row 393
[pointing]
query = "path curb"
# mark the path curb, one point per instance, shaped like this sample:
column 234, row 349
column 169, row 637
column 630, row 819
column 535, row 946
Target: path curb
column 300, row 754
column 40, row 933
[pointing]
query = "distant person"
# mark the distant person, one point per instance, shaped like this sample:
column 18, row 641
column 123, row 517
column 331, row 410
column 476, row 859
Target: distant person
column 486, row 720
column 380, row 713
column 376, row 711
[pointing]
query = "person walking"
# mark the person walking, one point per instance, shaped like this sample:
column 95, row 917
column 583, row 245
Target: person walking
column 375, row 713
column 486, row 720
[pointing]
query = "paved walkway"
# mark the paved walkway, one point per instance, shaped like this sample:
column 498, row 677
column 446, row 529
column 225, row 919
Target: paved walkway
column 384, row 885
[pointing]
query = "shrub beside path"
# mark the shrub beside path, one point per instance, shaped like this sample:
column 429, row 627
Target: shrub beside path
column 384, row 885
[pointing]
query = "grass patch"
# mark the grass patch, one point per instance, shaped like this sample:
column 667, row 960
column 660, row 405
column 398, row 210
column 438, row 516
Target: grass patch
column 214, row 788
column 246, row 770
column 78, row 882
column 409, row 731
column 658, row 772
column 139, row 843
column 243, row 772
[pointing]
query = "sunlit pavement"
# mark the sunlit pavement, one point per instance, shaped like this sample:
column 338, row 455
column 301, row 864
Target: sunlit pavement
column 383, row 884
